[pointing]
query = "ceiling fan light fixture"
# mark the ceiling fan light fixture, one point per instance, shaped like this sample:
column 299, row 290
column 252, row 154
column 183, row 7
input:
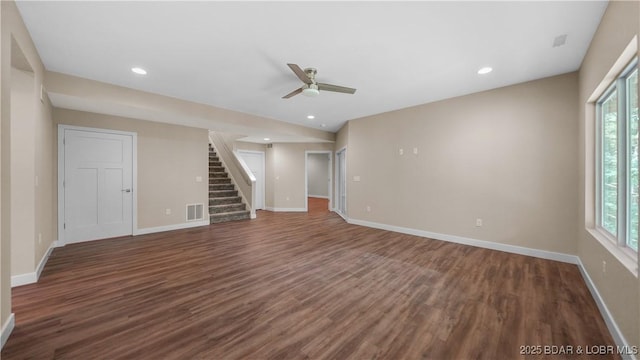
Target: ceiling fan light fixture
column 311, row 90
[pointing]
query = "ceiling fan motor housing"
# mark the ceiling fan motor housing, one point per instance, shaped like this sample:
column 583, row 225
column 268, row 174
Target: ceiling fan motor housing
column 311, row 73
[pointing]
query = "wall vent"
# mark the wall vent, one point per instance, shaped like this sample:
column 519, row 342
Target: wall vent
column 195, row 212
column 269, row 146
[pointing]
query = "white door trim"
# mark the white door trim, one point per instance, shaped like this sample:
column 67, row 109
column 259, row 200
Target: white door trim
column 61, row 169
column 264, row 176
column 337, row 180
column 306, row 175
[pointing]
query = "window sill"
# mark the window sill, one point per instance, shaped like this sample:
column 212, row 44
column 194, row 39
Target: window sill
column 624, row 257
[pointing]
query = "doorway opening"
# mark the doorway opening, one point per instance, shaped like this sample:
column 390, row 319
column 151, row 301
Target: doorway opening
column 318, row 189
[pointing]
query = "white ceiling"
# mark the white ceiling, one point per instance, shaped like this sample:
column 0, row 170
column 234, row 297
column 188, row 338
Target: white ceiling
column 233, row 55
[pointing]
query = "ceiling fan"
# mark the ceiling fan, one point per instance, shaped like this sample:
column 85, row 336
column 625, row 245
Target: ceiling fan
column 311, row 87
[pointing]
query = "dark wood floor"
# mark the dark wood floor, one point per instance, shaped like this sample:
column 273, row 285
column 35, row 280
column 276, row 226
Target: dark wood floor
column 297, row 285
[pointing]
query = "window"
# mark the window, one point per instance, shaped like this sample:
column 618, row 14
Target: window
column 617, row 206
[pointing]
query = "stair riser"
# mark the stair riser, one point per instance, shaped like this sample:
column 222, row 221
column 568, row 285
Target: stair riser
column 219, row 181
column 215, row 187
column 214, row 163
column 217, row 175
column 216, row 168
column 223, row 201
column 226, row 208
column 222, row 193
column 216, row 219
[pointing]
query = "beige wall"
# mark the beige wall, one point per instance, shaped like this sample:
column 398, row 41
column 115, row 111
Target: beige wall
column 22, row 172
column 5, row 120
column 83, row 94
column 242, row 145
column 28, row 155
column 507, row 156
column 342, row 137
column 619, row 288
column 285, row 174
column 170, row 157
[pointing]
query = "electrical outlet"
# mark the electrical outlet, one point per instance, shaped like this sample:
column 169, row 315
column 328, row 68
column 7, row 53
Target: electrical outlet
column 478, row 222
column 415, row 151
column 287, row 198
column 368, row 208
column 167, row 211
column 401, row 152
column 198, row 178
column 356, row 178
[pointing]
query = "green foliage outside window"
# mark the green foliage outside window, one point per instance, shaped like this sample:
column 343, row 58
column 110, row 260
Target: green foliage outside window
column 632, row 92
column 610, row 163
column 619, row 142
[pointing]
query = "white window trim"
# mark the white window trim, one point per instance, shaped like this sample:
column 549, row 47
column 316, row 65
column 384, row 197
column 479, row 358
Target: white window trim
column 623, row 255
column 626, row 256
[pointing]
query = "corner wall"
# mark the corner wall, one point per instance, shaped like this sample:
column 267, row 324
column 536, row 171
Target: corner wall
column 618, row 287
column 31, row 159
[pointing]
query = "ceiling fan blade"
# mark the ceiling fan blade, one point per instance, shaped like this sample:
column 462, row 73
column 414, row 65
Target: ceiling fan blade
column 293, row 93
column 336, row 88
column 300, row 73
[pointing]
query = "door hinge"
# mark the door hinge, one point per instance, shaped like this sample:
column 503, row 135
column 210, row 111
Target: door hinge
column 64, row 225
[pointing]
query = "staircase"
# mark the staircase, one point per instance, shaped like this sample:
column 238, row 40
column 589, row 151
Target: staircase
column 224, row 202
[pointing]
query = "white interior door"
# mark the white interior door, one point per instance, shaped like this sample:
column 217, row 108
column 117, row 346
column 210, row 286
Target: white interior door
column 341, row 176
column 255, row 162
column 98, row 185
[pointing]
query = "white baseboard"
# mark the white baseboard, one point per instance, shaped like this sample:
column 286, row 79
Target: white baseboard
column 318, row 196
column 341, row 215
column 543, row 254
column 7, row 328
column 286, row 209
column 157, row 229
column 604, row 311
column 32, row 277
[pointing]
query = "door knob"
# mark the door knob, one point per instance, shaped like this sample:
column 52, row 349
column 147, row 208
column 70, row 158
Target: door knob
column 126, row 190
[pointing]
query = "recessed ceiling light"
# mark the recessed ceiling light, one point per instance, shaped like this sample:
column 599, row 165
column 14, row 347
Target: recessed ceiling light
column 310, row 117
column 267, row 139
column 324, row 125
column 485, row 70
column 139, row 70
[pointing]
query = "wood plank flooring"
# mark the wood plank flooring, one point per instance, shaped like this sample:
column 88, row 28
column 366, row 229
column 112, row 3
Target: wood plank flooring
column 317, row 205
column 297, row 286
